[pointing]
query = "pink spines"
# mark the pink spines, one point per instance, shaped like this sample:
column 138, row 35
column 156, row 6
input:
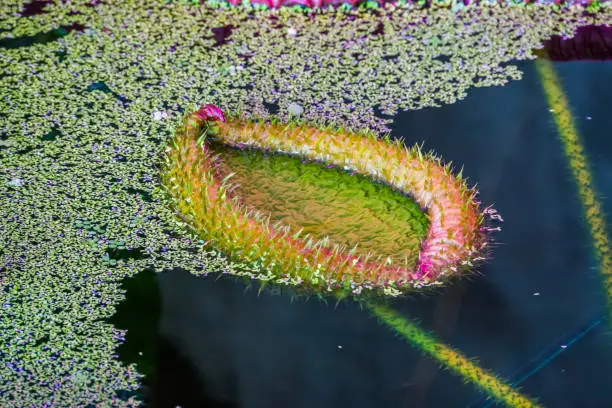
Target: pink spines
column 425, row 268
column 210, row 112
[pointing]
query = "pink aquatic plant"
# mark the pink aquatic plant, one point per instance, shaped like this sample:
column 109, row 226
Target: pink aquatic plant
column 456, row 239
column 210, row 112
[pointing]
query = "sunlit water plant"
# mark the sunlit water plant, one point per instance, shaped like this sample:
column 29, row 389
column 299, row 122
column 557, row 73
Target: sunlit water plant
column 456, row 237
column 87, row 111
column 199, row 187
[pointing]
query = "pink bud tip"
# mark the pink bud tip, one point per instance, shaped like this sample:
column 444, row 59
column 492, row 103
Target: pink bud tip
column 210, row 112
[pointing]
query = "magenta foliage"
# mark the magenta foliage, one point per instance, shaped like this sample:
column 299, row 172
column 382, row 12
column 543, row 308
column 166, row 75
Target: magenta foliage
column 210, row 112
column 274, row 4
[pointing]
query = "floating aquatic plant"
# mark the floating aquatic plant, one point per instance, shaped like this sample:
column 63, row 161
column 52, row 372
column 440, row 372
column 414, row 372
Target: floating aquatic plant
column 156, row 57
column 456, row 238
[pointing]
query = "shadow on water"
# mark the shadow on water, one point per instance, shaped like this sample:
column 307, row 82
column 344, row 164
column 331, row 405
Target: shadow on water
column 35, row 7
column 177, row 382
column 170, row 379
column 40, row 38
column 139, row 315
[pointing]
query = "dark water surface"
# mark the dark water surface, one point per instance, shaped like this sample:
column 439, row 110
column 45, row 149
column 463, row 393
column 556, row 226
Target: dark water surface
column 533, row 316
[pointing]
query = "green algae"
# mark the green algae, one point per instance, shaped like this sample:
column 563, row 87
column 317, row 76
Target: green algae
column 56, row 287
column 306, row 195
